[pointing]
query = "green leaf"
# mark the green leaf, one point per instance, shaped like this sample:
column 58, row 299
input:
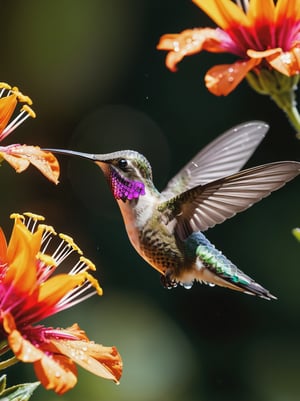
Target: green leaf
column 2, row 383
column 20, row 392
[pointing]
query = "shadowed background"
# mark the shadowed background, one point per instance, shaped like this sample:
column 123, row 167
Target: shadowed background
column 99, row 85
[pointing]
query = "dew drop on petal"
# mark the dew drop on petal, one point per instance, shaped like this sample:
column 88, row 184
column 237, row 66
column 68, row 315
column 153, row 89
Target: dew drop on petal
column 211, row 284
column 286, row 58
column 176, row 46
column 187, row 286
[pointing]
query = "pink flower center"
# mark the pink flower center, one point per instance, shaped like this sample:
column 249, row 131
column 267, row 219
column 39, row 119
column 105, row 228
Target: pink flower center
column 265, row 35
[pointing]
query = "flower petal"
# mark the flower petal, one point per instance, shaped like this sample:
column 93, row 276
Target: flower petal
column 21, row 256
column 263, row 54
column 286, row 9
column 20, row 156
column 57, row 287
column 22, row 348
column 3, row 249
column 7, row 107
column 189, row 42
column 56, row 373
column 97, row 359
column 223, row 79
column 225, row 13
column 288, row 63
column 261, row 11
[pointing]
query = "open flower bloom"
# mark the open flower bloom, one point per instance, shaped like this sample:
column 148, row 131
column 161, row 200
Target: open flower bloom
column 30, row 291
column 20, row 156
column 263, row 34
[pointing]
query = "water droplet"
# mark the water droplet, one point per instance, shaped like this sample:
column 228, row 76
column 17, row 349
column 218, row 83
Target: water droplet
column 176, row 46
column 57, row 375
column 211, row 284
column 230, row 78
column 187, row 286
column 286, row 58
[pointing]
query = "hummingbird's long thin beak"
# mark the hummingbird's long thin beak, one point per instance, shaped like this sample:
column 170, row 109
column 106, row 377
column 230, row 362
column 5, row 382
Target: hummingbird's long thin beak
column 88, row 156
column 100, row 157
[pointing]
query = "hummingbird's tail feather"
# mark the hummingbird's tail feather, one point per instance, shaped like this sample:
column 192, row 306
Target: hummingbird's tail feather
column 212, row 267
column 242, row 282
column 233, row 278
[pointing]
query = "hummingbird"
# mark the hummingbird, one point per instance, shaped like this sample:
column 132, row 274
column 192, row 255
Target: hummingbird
column 166, row 228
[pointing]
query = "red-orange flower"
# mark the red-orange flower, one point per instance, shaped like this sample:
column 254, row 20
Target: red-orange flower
column 262, row 34
column 30, row 292
column 20, row 156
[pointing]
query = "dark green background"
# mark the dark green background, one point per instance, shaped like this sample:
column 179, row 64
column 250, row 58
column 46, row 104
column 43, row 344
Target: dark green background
column 99, row 85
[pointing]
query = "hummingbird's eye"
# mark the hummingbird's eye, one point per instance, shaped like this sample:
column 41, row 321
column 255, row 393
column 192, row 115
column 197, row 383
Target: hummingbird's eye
column 122, row 163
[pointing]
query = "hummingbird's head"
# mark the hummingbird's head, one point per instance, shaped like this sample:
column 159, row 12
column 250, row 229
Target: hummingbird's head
column 127, row 171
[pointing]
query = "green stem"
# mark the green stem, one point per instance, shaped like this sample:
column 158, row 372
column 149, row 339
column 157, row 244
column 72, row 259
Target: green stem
column 281, row 89
column 9, row 362
column 287, row 102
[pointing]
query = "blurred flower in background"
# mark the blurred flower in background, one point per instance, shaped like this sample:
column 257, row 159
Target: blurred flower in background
column 20, row 156
column 296, row 233
column 30, row 292
column 265, row 36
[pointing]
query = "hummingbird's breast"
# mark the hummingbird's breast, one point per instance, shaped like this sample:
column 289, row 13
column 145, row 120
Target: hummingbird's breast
column 152, row 238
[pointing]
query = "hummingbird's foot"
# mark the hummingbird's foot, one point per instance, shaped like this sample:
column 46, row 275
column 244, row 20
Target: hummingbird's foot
column 167, row 281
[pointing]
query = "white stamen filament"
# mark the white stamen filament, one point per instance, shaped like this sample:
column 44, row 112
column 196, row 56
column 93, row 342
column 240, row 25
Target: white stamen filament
column 78, row 268
column 15, row 123
column 243, row 4
column 45, row 272
column 61, row 254
column 32, row 229
column 46, row 237
column 2, row 91
column 73, row 297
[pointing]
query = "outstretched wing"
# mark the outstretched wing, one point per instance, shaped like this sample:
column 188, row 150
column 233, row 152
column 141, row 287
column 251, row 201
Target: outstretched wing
column 204, row 206
column 226, row 155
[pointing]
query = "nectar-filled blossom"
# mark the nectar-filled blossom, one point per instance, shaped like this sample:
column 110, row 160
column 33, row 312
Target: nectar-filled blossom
column 20, row 156
column 31, row 289
column 264, row 36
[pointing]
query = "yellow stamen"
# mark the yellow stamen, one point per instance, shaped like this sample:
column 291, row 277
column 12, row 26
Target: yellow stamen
column 28, row 110
column 4, row 85
column 94, row 283
column 34, row 216
column 70, row 242
column 48, row 229
column 21, row 98
column 46, row 259
column 17, row 216
column 90, row 265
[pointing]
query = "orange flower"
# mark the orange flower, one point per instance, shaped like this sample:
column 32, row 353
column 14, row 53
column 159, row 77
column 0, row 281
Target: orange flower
column 20, row 156
column 29, row 293
column 263, row 34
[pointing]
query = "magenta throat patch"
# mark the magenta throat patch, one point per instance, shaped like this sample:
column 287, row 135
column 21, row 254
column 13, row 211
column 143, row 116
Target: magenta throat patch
column 124, row 188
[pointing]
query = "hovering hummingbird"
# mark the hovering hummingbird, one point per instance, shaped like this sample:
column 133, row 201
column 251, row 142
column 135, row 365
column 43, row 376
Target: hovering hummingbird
column 166, row 227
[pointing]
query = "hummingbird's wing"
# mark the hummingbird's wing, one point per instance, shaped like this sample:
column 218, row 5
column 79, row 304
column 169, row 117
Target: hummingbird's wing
column 224, row 156
column 206, row 205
